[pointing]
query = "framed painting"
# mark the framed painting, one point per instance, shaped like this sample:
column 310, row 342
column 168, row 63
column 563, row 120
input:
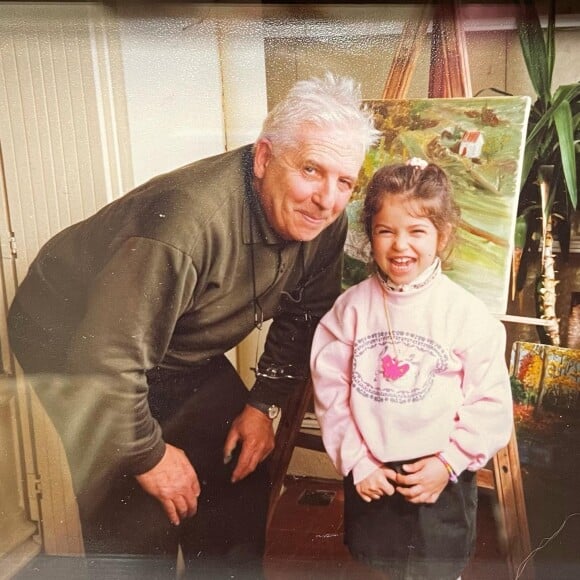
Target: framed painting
column 546, row 391
column 479, row 142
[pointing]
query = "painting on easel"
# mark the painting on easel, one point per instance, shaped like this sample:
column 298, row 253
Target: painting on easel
column 479, row 142
column 546, row 391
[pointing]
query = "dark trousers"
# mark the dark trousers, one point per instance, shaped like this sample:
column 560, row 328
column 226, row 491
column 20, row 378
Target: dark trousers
column 414, row 541
column 226, row 538
column 125, row 531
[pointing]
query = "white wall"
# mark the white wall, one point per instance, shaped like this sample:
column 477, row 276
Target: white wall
column 173, row 90
column 195, row 82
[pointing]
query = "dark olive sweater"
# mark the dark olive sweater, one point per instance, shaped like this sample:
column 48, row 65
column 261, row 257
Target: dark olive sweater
column 163, row 277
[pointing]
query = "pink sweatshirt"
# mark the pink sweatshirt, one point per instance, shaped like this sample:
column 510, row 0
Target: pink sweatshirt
column 449, row 390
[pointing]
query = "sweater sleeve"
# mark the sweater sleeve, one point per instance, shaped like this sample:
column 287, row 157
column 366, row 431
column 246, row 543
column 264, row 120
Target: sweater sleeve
column 130, row 315
column 287, row 348
column 484, row 422
column 331, row 364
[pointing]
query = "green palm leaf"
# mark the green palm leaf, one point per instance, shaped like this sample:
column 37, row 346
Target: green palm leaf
column 550, row 41
column 564, row 128
column 534, row 50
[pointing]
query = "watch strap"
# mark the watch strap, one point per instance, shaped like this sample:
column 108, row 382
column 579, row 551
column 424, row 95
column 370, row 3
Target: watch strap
column 270, row 410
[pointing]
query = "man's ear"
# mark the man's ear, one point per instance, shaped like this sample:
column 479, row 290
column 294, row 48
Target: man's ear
column 262, row 157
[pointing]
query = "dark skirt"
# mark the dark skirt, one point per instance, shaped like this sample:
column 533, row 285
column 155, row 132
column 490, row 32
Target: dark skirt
column 414, row 541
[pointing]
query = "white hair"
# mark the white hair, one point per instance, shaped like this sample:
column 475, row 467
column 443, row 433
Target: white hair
column 330, row 102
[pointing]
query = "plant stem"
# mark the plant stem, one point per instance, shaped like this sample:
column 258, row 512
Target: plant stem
column 547, row 290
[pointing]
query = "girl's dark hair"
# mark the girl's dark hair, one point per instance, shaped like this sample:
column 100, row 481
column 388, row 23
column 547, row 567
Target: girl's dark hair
column 428, row 192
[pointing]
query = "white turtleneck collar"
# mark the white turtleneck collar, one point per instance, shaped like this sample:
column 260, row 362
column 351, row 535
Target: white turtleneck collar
column 419, row 282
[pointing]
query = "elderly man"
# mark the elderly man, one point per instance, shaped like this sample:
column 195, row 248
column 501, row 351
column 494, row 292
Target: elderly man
column 123, row 320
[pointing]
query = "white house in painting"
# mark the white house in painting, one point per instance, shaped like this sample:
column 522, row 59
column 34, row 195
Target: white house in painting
column 471, row 144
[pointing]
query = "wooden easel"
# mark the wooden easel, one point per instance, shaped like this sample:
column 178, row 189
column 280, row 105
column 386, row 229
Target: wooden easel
column 448, row 77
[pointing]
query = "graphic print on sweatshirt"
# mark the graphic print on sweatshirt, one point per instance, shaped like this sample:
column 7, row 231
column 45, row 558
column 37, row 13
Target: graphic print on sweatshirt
column 404, row 374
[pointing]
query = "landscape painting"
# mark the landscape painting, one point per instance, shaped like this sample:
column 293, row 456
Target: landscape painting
column 546, row 391
column 545, row 384
column 479, row 142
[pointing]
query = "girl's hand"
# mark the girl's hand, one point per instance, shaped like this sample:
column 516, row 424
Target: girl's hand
column 377, row 484
column 424, row 480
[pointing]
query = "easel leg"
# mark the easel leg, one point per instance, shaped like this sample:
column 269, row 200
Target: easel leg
column 286, row 435
column 510, row 496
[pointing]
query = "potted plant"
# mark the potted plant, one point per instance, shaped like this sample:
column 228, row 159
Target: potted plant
column 549, row 190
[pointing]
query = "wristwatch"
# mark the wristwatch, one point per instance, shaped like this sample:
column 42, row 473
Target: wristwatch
column 271, row 411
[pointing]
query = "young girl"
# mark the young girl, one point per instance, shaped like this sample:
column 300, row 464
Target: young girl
column 411, row 387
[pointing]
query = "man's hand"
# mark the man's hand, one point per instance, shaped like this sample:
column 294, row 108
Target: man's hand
column 377, row 484
column 255, row 432
column 425, row 480
column 174, row 483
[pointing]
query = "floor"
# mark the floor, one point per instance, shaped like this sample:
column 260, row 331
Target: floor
column 305, row 537
column 305, row 542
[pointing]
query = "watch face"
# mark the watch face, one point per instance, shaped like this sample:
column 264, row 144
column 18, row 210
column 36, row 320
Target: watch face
column 271, row 411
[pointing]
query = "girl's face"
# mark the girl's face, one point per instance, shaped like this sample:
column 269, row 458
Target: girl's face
column 404, row 245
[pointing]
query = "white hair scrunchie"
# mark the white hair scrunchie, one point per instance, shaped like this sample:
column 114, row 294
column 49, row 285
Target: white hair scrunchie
column 417, row 162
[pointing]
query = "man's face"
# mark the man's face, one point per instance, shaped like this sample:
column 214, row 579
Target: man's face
column 304, row 189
